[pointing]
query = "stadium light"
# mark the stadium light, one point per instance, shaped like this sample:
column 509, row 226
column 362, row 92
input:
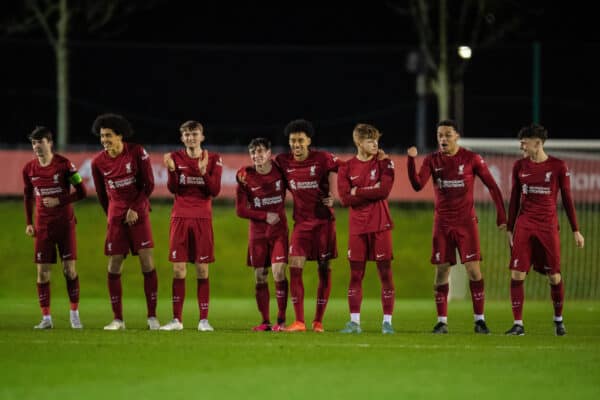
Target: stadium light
column 464, row 52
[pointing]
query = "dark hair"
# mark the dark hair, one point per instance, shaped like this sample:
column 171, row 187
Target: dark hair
column 39, row 133
column 448, row 122
column 116, row 122
column 299, row 125
column 533, row 131
column 190, row 126
column 258, row 142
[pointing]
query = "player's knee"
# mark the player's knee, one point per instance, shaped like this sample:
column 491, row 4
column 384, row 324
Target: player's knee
column 202, row 271
column 179, row 270
column 554, row 278
column 279, row 272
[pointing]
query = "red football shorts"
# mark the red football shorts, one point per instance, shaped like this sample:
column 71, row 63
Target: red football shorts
column 265, row 252
column 373, row 246
column 52, row 236
column 448, row 238
column 191, row 240
column 534, row 247
column 122, row 238
column 315, row 242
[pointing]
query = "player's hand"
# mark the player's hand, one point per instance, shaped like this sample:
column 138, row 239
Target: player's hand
column 502, row 227
column 510, row 238
column 131, row 217
column 328, row 201
column 412, row 151
column 50, row 202
column 579, row 241
column 30, row 230
column 381, row 155
column 272, row 218
column 168, row 161
column 241, row 177
column 203, row 162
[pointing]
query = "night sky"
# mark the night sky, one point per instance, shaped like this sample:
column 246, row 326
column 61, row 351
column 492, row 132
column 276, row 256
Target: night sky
column 245, row 71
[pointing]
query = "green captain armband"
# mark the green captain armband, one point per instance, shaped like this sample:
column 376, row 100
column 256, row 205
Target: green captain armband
column 75, row 179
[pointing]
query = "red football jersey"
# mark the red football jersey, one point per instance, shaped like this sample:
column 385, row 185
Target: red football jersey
column 308, row 182
column 258, row 194
column 124, row 182
column 534, row 194
column 453, row 180
column 369, row 210
column 49, row 181
column 194, row 191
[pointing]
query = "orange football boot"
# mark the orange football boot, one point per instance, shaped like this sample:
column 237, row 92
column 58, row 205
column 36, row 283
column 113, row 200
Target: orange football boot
column 318, row 327
column 297, row 326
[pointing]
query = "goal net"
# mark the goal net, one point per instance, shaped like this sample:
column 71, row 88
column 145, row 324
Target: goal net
column 580, row 271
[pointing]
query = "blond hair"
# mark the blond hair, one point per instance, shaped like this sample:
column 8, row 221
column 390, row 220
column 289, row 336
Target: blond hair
column 365, row 131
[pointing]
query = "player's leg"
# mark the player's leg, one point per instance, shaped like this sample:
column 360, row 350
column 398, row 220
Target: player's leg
column 520, row 263
column 467, row 238
column 300, row 248
column 150, row 286
column 72, row 280
column 281, row 293
column 357, row 258
column 262, row 295
column 67, row 248
column 382, row 246
column 441, row 289
column 178, row 256
column 327, row 249
column 43, row 289
column 116, row 247
column 550, row 247
column 203, row 295
column 279, row 259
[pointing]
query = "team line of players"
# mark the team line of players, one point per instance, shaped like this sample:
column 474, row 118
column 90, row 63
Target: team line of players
column 123, row 179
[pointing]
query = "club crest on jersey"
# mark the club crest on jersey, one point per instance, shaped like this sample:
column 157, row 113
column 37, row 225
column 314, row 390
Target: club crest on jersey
column 548, row 175
column 109, row 246
column 293, row 184
column 461, row 169
column 174, row 254
column 516, row 262
column 256, row 202
column 437, row 256
column 39, row 255
column 313, row 170
column 373, row 172
column 128, row 167
column 278, row 185
column 55, row 178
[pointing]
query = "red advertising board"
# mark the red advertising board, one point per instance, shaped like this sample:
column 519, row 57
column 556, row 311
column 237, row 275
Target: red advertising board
column 585, row 175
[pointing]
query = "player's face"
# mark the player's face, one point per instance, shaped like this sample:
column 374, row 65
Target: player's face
column 368, row 147
column 447, row 139
column 260, row 156
column 530, row 146
column 110, row 140
column 192, row 138
column 299, row 143
column 41, row 147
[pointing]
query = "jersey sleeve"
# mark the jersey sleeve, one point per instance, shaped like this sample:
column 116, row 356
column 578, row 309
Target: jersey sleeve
column 242, row 205
column 385, row 183
column 212, row 177
column 344, row 187
column 480, row 168
column 28, row 200
column 76, row 181
column 564, row 182
column 172, row 178
column 515, row 198
column 145, row 177
column 418, row 180
column 100, row 187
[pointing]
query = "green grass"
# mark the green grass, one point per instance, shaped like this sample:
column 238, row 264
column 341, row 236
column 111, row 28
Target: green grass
column 235, row 363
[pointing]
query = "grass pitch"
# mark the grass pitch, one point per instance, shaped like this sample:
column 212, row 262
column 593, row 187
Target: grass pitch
column 235, row 363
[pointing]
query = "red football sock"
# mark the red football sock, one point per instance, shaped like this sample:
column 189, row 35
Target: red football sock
column 323, row 291
column 477, row 296
column 297, row 292
column 203, row 293
column 43, row 290
column 517, row 297
column 441, row 299
column 355, row 295
column 557, row 292
column 281, row 293
column 262, row 300
column 115, row 290
column 73, row 291
column 388, row 292
column 151, row 291
column 178, row 297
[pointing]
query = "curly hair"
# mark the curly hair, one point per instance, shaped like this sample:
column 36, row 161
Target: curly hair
column 299, row 125
column 116, row 122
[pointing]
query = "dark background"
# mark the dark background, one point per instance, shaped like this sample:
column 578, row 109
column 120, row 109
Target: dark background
column 246, row 70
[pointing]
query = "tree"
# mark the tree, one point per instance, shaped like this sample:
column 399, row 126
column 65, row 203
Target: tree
column 57, row 18
column 477, row 24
